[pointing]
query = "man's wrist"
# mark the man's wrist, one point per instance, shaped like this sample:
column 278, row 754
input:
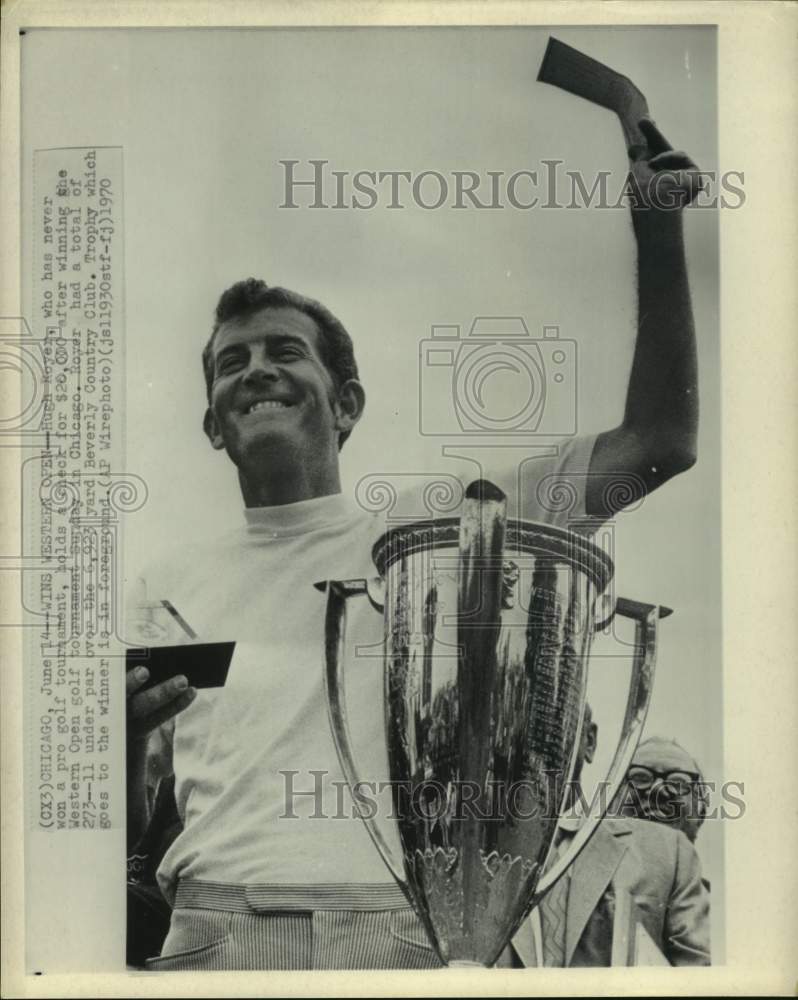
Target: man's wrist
column 659, row 229
column 136, row 752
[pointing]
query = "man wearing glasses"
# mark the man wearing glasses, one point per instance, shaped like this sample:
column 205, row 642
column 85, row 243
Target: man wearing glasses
column 654, row 867
column 664, row 784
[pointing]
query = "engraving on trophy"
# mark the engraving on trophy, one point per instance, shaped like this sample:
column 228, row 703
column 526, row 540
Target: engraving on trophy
column 511, row 573
column 500, row 866
column 435, row 860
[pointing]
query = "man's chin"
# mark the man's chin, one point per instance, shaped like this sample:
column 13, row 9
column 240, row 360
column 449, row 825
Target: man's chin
column 667, row 819
column 267, row 442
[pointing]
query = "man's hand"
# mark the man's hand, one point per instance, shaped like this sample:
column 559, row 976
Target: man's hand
column 148, row 709
column 662, row 180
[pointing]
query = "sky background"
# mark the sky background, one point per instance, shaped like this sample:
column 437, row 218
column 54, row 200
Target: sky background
column 204, row 117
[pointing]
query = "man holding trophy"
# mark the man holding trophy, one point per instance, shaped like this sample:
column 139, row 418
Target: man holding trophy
column 267, row 871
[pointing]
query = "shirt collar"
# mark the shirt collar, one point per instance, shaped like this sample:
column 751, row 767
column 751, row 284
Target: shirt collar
column 298, row 518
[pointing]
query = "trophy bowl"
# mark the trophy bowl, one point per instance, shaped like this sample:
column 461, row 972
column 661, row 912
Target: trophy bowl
column 487, row 625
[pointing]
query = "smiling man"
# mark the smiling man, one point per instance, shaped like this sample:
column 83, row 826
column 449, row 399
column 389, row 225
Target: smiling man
column 271, row 870
column 283, row 393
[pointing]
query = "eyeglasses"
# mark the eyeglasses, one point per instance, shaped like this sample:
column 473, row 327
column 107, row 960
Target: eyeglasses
column 679, row 782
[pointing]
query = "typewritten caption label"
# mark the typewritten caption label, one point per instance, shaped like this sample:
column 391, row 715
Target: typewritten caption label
column 74, row 498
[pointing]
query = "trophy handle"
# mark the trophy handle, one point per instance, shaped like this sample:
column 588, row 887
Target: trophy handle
column 335, row 628
column 645, row 617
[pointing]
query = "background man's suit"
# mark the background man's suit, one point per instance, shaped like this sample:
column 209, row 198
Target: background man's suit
column 659, row 868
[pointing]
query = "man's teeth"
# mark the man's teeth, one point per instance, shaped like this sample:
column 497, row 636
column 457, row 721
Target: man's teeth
column 268, row 404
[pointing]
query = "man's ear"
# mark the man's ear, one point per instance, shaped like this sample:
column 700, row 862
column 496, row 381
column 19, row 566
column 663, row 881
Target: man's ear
column 350, row 403
column 591, row 742
column 211, row 428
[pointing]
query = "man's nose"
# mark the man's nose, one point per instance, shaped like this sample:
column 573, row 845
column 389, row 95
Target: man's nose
column 660, row 787
column 261, row 368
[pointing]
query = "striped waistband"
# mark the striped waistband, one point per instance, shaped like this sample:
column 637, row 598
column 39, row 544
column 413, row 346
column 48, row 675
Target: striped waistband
column 360, row 896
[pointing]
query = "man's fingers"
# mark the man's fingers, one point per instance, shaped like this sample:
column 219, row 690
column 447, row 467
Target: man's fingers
column 134, row 679
column 672, row 159
column 147, row 702
column 674, row 188
column 164, row 713
column 657, row 143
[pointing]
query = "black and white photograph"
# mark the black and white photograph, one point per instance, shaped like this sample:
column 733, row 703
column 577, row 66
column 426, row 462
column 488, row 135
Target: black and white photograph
column 369, row 434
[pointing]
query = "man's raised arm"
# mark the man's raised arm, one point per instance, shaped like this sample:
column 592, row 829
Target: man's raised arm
column 657, row 438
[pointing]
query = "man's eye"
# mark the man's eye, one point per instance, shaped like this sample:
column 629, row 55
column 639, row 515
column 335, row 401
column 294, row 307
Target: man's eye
column 228, row 364
column 288, row 353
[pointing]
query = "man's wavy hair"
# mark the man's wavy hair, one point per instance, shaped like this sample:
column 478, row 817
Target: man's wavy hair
column 245, row 298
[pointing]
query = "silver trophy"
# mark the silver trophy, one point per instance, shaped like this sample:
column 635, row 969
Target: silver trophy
column 488, row 625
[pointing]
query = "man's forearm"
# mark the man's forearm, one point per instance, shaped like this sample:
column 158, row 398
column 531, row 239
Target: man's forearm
column 662, row 399
column 657, row 437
